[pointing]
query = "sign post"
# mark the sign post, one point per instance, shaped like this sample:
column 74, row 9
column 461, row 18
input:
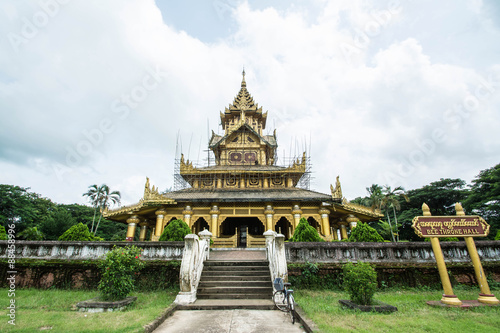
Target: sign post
column 460, row 225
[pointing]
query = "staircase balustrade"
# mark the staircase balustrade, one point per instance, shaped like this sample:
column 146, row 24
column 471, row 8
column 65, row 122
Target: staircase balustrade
column 196, row 251
column 275, row 248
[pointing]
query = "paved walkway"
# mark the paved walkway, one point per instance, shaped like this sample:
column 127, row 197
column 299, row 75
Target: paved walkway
column 230, row 321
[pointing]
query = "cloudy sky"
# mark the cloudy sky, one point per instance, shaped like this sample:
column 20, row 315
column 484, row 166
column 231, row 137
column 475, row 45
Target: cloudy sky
column 397, row 92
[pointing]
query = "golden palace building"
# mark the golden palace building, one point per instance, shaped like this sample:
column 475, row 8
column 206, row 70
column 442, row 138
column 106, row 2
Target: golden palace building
column 245, row 192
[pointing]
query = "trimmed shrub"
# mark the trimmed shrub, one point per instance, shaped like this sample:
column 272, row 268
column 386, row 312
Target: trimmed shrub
column 364, row 233
column 3, row 233
column 305, row 233
column 79, row 232
column 360, row 282
column 118, row 272
column 497, row 237
column 175, row 231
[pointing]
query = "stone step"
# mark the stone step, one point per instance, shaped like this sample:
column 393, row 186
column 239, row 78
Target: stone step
column 236, row 263
column 235, row 268
column 263, row 277
column 235, row 290
column 235, row 273
column 234, row 284
column 261, row 296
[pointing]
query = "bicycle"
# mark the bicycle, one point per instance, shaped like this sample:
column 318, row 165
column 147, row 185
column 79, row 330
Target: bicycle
column 283, row 297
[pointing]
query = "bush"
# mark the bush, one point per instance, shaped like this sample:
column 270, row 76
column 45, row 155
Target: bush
column 31, row 234
column 118, row 272
column 175, row 231
column 360, row 282
column 364, row 233
column 3, row 233
column 79, row 232
column 305, row 233
column 497, row 237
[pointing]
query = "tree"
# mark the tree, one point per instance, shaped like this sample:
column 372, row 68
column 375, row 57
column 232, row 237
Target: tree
column 484, row 198
column 93, row 194
column 23, row 208
column 376, row 195
column 364, row 233
column 391, row 199
column 175, row 231
column 56, row 223
column 31, row 234
column 101, row 197
column 305, row 233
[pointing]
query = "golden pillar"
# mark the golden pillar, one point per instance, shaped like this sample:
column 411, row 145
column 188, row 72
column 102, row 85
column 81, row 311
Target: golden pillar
column 143, row 230
column 334, row 233
column 448, row 296
column 266, row 183
column 352, row 220
column 289, row 182
column 187, row 212
column 485, row 296
column 269, row 212
column 160, row 214
column 343, row 230
column 296, row 215
column 132, row 223
column 325, row 221
column 215, row 221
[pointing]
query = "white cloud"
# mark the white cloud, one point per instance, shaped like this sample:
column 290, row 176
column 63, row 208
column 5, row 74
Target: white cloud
column 116, row 69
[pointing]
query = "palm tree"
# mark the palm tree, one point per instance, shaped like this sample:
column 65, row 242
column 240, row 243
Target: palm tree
column 101, row 197
column 106, row 199
column 93, row 194
column 375, row 196
column 391, row 199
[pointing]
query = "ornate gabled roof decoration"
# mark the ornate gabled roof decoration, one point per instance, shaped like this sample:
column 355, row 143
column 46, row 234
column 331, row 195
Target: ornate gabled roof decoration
column 217, row 140
column 337, row 191
column 151, row 197
column 361, row 209
column 243, row 104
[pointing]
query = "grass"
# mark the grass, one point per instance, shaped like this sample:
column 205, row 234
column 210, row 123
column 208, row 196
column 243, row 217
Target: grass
column 54, row 310
column 413, row 314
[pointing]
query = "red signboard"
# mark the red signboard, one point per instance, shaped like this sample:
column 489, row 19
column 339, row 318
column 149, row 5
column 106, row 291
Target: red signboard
column 450, row 226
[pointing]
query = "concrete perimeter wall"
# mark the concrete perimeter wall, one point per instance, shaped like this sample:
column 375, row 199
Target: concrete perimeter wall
column 388, row 253
column 47, row 264
column 57, row 250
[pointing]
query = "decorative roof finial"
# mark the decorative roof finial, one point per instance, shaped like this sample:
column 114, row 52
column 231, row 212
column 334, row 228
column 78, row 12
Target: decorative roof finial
column 243, row 83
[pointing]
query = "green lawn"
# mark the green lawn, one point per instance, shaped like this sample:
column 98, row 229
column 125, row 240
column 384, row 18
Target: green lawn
column 413, row 314
column 54, row 310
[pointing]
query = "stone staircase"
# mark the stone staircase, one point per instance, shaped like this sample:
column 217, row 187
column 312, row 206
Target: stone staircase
column 234, row 280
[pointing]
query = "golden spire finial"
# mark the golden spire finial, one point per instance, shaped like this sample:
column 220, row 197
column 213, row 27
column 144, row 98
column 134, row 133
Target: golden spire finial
column 459, row 209
column 426, row 210
column 243, row 83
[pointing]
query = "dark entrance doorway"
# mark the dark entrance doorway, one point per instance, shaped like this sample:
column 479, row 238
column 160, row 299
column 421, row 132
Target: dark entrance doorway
column 239, row 225
column 284, row 227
